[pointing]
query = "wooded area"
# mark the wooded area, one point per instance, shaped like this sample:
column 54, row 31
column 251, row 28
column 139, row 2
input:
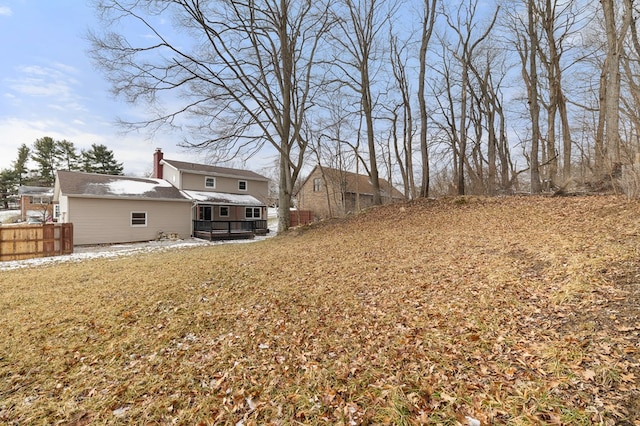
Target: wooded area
column 437, row 97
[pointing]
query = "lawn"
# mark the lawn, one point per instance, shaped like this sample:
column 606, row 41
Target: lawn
column 516, row 311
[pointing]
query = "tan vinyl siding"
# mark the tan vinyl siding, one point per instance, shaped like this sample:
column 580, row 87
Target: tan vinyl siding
column 102, row 221
column 172, row 176
column 196, row 182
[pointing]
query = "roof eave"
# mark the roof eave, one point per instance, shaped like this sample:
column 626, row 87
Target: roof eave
column 125, row 197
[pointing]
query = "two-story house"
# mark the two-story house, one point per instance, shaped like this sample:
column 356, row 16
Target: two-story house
column 180, row 199
column 227, row 203
column 35, row 203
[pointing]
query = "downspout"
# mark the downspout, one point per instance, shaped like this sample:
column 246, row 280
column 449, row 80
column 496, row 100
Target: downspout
column 194, row 205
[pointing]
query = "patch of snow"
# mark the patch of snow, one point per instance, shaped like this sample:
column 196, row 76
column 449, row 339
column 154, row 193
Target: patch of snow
column 224, row 198
column 135, row 187
column 116, row 250
column 8, row 215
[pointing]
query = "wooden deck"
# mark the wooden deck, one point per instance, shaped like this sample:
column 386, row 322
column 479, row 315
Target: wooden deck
column 223, row 235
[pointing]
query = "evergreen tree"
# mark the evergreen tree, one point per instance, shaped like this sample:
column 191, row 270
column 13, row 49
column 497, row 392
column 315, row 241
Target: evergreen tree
column 47, row 158
column 8, row 187
column 20, row 165
column 68, row 155
column 100, row 159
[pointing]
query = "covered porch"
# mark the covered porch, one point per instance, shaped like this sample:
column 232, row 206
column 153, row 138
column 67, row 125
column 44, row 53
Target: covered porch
column 228, row 216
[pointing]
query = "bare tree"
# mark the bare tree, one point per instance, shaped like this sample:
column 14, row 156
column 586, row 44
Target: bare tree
column 428, row 23
column 244, row 74
column 610, row 103
column 525, row 27
column 463, row 24
column 402, row 146
column 362, row 24
column 557, row 19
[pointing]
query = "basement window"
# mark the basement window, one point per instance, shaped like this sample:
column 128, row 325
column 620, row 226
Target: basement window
column 138, row 218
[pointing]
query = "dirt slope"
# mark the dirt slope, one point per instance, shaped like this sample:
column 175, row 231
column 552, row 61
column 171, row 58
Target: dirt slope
column 502, row 311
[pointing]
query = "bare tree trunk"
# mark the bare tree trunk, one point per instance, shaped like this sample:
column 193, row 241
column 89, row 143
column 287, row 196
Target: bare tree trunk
column 427, row 29
column 534, row 106
column 612, row 71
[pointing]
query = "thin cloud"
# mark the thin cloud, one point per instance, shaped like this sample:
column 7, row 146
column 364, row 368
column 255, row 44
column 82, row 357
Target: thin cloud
column 5, row 11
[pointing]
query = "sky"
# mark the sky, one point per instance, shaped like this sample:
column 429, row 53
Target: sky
column 49, row 87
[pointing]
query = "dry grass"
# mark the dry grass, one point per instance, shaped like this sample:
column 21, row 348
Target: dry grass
column 510, row 311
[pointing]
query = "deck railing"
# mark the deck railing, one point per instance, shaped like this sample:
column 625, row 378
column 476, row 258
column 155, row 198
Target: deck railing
column 230, row 226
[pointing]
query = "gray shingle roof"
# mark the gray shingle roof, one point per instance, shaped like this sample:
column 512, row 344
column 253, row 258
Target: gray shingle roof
column 109, row 186
column 214, row 170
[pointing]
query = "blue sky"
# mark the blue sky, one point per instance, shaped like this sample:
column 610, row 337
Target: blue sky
column 49, row 87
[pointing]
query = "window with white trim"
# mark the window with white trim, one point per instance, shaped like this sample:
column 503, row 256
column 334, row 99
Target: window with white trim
column 224, row 211
column 56, row 211
column 252, row 212
column 138, row 218
column 39, row 200
column 209, row 182
column 242, row 185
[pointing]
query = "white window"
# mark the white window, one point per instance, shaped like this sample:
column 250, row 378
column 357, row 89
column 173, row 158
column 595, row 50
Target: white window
column 224, row 211
column 209, row 182
column 39, row 200
column 252, row 212
column 242, row 185
column 56, row 211
column 138, row 218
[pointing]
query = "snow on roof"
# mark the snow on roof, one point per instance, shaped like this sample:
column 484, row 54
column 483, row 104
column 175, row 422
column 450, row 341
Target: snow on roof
column 34, row 190
column 99, row 185
column 223, row 198
column 134, row 187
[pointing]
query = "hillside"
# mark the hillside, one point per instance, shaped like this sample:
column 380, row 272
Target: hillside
column 511, row 311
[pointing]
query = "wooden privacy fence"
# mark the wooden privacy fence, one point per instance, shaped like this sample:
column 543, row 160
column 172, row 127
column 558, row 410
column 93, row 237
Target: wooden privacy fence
column 27, row 241
column 300, row 217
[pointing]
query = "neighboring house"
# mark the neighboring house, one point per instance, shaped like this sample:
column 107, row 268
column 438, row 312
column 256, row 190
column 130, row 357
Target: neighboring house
column 36, row 203
column 331, row 192
column 184, row 199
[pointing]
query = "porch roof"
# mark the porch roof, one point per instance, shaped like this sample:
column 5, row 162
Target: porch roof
column 223, row 198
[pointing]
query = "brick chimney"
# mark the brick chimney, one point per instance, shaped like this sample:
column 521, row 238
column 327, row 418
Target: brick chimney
column 157, row 167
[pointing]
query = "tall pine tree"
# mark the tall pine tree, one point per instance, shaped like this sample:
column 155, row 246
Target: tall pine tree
column 46, row 155
column 20, row 165
column 100, row 159
column 68, row 155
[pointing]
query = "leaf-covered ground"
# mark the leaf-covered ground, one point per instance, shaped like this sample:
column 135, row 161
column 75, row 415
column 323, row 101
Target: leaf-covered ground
column 514, row 311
